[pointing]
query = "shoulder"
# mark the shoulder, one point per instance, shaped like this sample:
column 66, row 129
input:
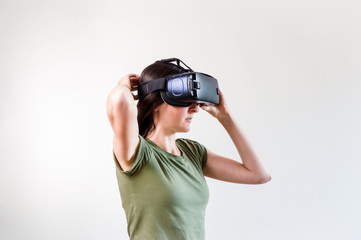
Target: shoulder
column 194, row 150
column 186, row 141
column 191, row 145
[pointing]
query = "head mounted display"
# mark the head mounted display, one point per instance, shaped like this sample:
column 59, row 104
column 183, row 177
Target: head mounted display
column 183, row 89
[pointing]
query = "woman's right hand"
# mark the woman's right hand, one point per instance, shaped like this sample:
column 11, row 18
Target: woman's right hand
column 131, row 81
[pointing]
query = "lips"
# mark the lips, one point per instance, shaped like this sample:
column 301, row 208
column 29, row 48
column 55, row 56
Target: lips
column 189, row 119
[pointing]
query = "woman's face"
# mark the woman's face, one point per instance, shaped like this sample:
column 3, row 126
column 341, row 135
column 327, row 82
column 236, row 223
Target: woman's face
column 174, row 119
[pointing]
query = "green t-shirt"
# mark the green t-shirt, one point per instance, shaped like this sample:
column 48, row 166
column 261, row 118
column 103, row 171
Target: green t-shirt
column 164, row 196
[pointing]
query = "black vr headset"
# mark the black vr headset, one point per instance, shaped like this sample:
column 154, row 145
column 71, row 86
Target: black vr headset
column 183, row 89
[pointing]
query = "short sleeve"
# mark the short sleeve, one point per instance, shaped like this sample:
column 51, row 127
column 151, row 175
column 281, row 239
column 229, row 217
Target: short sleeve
column 195, row 150
column 140, row 156
column 204, row 156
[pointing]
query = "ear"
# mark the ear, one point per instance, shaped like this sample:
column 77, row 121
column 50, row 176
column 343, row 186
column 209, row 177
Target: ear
column 158, row 107
column 156, row 113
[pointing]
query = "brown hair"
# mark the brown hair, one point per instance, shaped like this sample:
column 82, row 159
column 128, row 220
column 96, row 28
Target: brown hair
column 147, row 104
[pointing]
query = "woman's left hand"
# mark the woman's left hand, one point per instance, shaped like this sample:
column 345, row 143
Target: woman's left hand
column 219, row 111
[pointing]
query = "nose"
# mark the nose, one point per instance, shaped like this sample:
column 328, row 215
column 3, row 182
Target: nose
column 194, row 108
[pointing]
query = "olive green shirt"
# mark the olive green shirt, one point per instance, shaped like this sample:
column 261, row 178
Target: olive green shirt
column 164, row 196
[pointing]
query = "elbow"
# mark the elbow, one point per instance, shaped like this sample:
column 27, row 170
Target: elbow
column 118, row 99
column 264, row 179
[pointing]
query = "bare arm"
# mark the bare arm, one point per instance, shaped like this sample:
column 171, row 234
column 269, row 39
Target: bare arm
column 252, row 170
column 122, row 114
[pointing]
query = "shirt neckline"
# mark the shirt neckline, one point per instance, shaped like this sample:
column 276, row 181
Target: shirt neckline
column 168, row 153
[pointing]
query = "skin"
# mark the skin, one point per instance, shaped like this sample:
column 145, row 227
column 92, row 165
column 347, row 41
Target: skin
column 122, row 114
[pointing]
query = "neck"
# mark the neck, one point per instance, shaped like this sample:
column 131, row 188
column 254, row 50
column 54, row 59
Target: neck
column 166, row 141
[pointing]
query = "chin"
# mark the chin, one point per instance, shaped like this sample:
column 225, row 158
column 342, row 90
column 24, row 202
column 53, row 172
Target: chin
column 185, row 130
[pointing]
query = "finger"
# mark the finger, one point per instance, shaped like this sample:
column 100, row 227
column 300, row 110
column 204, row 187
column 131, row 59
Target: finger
column 134, row 78
column 134, row 81
column 220, row 94
column 135, row 96
column 133, row 75
column 134, row 85
column 204, row 107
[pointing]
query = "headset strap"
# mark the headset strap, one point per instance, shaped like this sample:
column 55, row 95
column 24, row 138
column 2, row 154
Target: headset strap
column 148, row 87
column 170, row 60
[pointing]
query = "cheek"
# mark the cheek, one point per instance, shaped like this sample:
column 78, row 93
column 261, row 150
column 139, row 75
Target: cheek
column 174, row 114
column 176, row 111
column 179, row 114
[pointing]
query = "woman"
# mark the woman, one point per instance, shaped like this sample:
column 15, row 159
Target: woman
column 161, row 178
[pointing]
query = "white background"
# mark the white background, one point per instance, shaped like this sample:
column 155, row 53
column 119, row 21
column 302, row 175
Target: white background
column 290, row 72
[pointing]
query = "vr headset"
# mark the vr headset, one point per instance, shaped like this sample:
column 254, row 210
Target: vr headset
column 181, row 90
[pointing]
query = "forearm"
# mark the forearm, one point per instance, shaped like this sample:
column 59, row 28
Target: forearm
column 246, row 151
